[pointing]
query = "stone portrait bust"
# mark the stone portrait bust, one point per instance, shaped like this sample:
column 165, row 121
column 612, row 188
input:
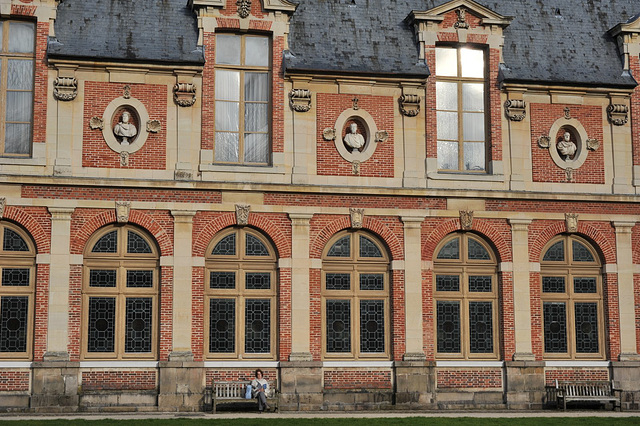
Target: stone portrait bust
column 125, row 129
column 353, row 139
column 566, row 147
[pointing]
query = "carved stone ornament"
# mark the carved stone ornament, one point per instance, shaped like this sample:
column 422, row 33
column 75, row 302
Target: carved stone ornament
column 466, row 219
column 329, row 134
column 593, row 144
column 618, row 114
column 123, row 208
column 96, row 123
column 357, row 217
column 154, row 126
column 355, row 104
column 242, row 214
column 544, row 141
column 244, row 8
column 65, row 88
column 124, row 158
column 300, row 100
column 3, row 203
column 516, row 109
column 356, row 168
column 410, row 105
column 567, row 113
column 571, row 219
column 126, row 92
column 184, row 94
column 462, row 19
column 382, row 136
column 569, row 172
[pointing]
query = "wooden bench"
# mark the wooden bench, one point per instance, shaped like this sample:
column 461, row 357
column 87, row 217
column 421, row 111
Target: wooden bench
column 234, row 392
column 592, row 391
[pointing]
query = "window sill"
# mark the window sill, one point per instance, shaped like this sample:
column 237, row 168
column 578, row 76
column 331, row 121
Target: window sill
column 578, row 363
column 465, row 176
column 359, row 363
column 118, row 364
column 241, row 169
column 38, row 157
column 470, row 363
column 246, row 364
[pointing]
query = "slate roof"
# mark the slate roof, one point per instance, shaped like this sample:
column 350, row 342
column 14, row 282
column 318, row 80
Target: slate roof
column 159, row 31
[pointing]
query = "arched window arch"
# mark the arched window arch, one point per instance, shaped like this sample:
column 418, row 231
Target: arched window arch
column 572, row 311
column 120, row 294
column 240, row 295
column 355, row 296
column 17, row 261
column 466, row 297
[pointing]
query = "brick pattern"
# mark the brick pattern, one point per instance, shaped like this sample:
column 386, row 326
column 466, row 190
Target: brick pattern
column 355, row 201
column 41, row 74
column 14, row 381
column 611, row 307
column 198, row 338
column 450, row 18
column 237, row 375
column 75, row 312
column 357, row 379
column 284, row 326
column 544, row 169
column 428, row 317
column 635, row 243
column 36, row 221
column 121, row 194
column 118, row 380
column 41, row 324
column 479, row 379
column 506, row 321
column 636, row 294
column 231, row 9
column 537, row 331
column 329, row 160
column 166, row 313
column 96, row 152
column 315, row 313
column 574, row 374
column 398, row 315
column 559, row 207
column 23, row 10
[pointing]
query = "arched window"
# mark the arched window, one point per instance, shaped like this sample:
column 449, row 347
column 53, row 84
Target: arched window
column 466, row 294
column 120, row 294
column 572, row 299
column 240, row 296
column 17, row 261
column 355, row 296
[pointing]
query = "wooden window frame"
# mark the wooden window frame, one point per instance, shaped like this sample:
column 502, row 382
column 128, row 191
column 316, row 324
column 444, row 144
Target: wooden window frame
column 570, row 269
column 354, row 265
column 240, row 263
column 464, row 268
column 121, row 261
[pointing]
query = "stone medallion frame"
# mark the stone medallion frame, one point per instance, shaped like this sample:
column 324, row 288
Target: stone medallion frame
column 581, row 143
column 371, row 129
column 143, row 117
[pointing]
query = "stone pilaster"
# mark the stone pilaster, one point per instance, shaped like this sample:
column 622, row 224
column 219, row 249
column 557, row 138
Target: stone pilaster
column 413, row 287
column 626, row 296
column 521, row 289
column 524, row 384
column 300, row 264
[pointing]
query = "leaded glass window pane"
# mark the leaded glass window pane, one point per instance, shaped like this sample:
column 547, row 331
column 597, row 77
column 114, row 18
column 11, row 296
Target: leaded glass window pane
column 371, row 326
column 222, row 319
column 13, row 323
column 553, row 285
column 338, row 326
column 341, row 248
column 477, row 251
column 481, row 327
column 257, row 337
column 447, row 283
column 138, row 324
column 448, row 325
column 255, row 247
column 581, row 253
column 368, row 248
column 371, row 281
column 555, row 327
column 226, row 246
column 108, row 243
column 258, row 281
column 585, row 285
column 102, row 278
column 480, row 283
column 137, row 244
column 222, row 280
column 139, row 279
column 450, row 250
column 15, row 277
column 102, row 324
column 555, row 253
column 13, row 241
column 338, row 281
column 586, row 327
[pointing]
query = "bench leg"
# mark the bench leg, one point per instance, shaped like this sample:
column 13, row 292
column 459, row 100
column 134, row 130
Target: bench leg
column 214, row 407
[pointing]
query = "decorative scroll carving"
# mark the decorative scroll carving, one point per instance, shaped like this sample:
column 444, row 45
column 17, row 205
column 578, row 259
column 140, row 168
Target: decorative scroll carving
column 356, row 168
column 466, row 219
column 300, row 100
column 242, row 214
column 569, row 172
column 96, row 123
column 567, row 113
column 571, row 219
column 618, row 114
column 516, row 109
column 154, row 126
column 462, row 19
column 65, row 88
column 410, row 105
column 357, row 217
column 382, row 136
column 593, row 144
column 126, row 92
column 244, row 8
column 3, row 203
column 124, row 158
column 184, row 94
column 123, row 208
column 329, row 134
column 355, row 104
column 544, row 141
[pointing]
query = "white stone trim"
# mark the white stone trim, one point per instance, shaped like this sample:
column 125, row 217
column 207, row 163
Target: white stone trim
column 505, row 267
column 369, row 145
column 358, row 364
column 244, row 364
column 166, row 260
column 636, row 269
column 43, row 259
column 427, row 265
column 534, row 266
column 581, row 153
column 118, row 364
column 573, row 363
column 284, row 262
column 397, row 265
column 107, row 130
column 470, row 364
column 198, row 261
column 610, row 268
column 315, row 264
column 76, row 259
column 16, row 364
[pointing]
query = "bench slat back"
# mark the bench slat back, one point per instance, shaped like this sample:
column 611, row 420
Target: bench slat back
column 586, row 389
column 236, row 390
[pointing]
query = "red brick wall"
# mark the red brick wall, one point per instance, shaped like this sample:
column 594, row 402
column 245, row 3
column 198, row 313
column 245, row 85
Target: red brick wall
column 231, row 9
column 96, row 152
column 75, row 312
column 118, row 380
column 14, row 381
column 559, row 207
column 329, row 160
column 315, row 312
column 357, row 379
column 575, row 374
column 41, row 75
column 450, row 18
column 537, row 331
column 635, row 244
column 398, row 315
column 355, row 201
column 238, row 375
column 41, row 325
column 506, row 322
column 428, row 319
column 36, row 221
column 461, row 379
column 165, row 324
column 284, row 339
column 198, row 340
column 611, row 307
column 636, row 292
column 544, row 169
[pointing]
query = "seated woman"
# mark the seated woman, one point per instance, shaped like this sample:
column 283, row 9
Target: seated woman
column 259, row 387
